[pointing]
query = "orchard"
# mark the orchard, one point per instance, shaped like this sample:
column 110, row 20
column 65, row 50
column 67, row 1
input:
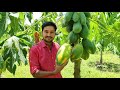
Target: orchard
column 80, row 35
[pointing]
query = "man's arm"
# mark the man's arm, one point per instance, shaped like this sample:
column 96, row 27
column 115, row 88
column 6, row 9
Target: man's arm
column 41, row 74
column 58, row 68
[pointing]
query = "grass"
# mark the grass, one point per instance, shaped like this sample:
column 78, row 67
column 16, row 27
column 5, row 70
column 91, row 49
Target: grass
column 92, row 71
column 88, row 68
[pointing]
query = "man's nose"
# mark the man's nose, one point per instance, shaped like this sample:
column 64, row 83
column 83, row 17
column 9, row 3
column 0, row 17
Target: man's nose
column 48, row 34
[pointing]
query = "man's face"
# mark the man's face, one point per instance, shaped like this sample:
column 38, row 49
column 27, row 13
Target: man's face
column 48, row 33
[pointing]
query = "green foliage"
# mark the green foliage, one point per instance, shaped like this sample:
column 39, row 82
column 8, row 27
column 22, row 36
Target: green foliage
column 11, row 53
column 2, row 23
column 17, row 36
column 29, row 16
column 105, row 28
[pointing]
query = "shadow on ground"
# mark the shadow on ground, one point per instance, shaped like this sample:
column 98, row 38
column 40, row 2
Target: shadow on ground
column 106, row 66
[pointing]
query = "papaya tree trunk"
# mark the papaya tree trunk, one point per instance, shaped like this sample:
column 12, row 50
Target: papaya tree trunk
column 101, row 61
column 0, row 75
column 77, row 64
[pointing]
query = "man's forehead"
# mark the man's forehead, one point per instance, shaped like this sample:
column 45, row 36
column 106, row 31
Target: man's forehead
column 49, row 28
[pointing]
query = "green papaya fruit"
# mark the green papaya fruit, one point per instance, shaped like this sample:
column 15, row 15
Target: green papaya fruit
column 76, row 16
column 77, row 27
column 89, row 46
column 69, row 26
column 76, row 52
column 82, row 18
column 72, row 37
column 84, row 32
column 88, row 23
column 87, row 14
column 68, row 16
column 85, row 54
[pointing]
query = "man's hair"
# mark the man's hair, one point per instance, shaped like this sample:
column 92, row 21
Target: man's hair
column 49, row 24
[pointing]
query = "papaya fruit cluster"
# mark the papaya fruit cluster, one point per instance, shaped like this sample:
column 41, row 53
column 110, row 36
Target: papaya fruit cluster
column 77, row 25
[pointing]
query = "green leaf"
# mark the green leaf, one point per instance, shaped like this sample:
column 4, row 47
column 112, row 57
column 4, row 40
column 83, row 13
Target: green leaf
column 22, row 17
column 20, row 34
column 25, row 42
column 22, row 57
column 16, row 15
column 106, row 41
column 10, row 62
column 1, row 62
column 14, row 69
column 8, row 43
column 29, row 16
column 64, row 31
column 116, row 26
column 2, row 23
column 14, row 24
column 16, row 41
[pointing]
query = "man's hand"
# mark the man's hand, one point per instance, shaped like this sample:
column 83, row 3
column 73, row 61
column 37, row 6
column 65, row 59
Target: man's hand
column 58, row 68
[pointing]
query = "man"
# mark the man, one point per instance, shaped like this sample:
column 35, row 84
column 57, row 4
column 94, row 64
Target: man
column 42, row 56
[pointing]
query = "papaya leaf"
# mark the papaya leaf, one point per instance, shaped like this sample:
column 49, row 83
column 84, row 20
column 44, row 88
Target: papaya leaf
column 16, row 42
column 1, row 62
column 116, row 26
column 64, row 31
column 20, row 34
column 8, row 43
column 22, row 57
column 14, row 69
column 29, row 16
column 14, row 24
column 25, row 42
column 22, row 18
column 2, row 23
column 10, row 62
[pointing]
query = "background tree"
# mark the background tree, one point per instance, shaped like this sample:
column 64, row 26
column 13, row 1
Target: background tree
column 17, row 36
column 105, row 30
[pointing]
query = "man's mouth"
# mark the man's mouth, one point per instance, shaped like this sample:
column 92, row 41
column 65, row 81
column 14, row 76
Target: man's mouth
column 49, row 37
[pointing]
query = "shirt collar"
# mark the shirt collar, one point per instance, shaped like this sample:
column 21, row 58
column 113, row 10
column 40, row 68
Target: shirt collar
column 44, row 45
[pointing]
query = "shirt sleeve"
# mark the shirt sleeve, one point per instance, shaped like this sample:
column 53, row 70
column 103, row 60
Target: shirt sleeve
column 34, row 60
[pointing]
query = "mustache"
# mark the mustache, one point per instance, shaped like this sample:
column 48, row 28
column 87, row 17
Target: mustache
column 48, row 36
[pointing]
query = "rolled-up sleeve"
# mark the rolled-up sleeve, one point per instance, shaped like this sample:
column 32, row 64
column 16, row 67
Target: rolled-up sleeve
column 33, row 60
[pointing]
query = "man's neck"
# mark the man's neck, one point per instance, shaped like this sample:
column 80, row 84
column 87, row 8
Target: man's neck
column 49, row 44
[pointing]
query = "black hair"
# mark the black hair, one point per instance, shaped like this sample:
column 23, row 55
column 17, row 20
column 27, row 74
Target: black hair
column 49, row 24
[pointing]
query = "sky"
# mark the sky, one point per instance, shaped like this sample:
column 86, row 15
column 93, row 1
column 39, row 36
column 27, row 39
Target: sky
column 36, row 15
